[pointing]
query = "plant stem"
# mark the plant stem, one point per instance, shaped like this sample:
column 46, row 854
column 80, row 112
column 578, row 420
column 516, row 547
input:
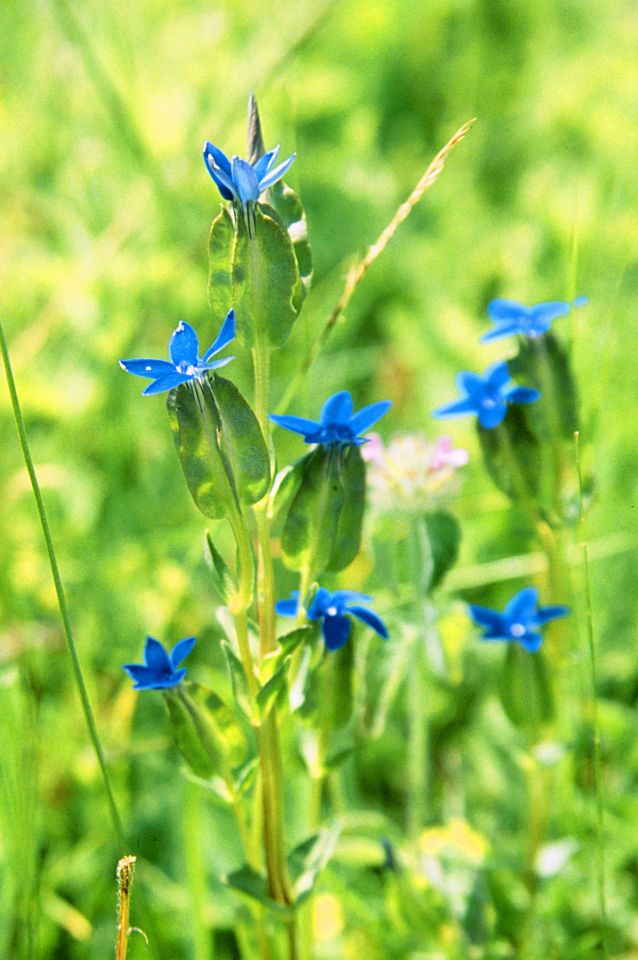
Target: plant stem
column 597, row 763
column 89, row 718
column 124, row 873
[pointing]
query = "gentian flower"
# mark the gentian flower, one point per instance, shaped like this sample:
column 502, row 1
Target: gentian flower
column 521, row 620
column 510, row 317
column 338, row 424
column 335, row 611
column 185, row 363
column 240, row 181
column 487, row 396
column 159, row 670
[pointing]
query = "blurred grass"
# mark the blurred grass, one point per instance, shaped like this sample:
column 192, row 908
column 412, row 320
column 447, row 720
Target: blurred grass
column 106, row 207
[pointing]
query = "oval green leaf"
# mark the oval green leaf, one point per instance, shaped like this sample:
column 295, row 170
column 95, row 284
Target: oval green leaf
column 310, row 530
column 352, row 476
column 242, row 442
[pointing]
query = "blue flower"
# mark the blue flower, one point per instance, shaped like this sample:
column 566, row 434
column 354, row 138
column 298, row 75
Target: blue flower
column 521, row 620
column 241, row 181
column 185, row 363
column 338, row 424
column 487, row 396
column 510, row 317
column 159, row 670
column 335, row 611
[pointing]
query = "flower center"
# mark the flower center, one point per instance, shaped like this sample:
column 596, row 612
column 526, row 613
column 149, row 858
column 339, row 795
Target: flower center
column 518, row 630
column 331, row 611
column 185, row 367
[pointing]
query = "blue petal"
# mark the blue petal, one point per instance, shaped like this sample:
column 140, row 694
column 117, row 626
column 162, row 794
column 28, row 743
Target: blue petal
column 500, row 310
column 147, row 368
column 531, row 641
column 470, row 383
column 370, row 618
column 336, row 630
column 503, row 330
column 183, row 346
column 225, row 335
column 485, row 616
column 216, row 364
column 546, row 312
column 289, row 607
column 163, row 683
column 218, row 165
column 274, row 175
column 181, row 650
column 368, row 415
column 320, row 603
column 337, row 408
column 490, row 417
column 522, row 606
column 545, row 614
column 497, row 375
column 522, row 395
column 137, row 672
column 166, row 383
column 245, row 180
column 349, row 596
column 296, row 424
column 457, row 408
column 156, row 657
column 263, row 165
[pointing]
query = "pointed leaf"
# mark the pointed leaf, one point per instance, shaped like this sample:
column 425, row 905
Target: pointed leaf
column 308, row 860
column 265, row 279
column 271, row 690
column 311, row 526
column 246, row 880
column 292, row 215
column 352, row 475
column 285, row 488
column 526, row 689
column 242, row 442
column 512, row 455
column 237, row 678
column 222, row 577
column 221, row 243
column 195, row 424
column 444, row 534
column 205, row 729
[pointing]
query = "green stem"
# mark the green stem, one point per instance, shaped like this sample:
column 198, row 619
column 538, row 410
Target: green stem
column 89, row 718
column 597, row 764
column 196, row 871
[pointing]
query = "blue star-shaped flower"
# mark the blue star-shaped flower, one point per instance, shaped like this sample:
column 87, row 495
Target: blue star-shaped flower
column 487, row 396
column 521, row 620
column 510, row 317
column 159, row 670
column 185, row 363
column 335, row 610
column 240, row 181
column 338, row 424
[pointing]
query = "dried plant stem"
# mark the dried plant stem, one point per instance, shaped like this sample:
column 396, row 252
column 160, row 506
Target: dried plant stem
column 124, row 873
column 357, row 273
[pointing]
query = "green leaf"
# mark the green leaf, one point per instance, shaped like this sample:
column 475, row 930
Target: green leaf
column 444, row 536
column 285, row 488
column 242, row 442
column 237, row 678
column 271, row 690
column 308, row 860
column 265, row 280
column 526, row 689
column 222, row 577
column 352, row 476
column 246, row 880
column 288, row 207
column 544, row 363
column 512, row 456
column 221, row 243
column 312, row 523
column 205, row 729
column 195, row 423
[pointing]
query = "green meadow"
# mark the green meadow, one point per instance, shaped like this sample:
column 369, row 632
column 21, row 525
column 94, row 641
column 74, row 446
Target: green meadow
column 106, row 209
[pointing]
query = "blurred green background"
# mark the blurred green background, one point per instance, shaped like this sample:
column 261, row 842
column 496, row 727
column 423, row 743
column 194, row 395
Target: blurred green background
column 106, row 206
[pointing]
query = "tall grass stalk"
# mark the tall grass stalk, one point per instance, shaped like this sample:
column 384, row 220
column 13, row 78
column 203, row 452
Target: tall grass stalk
column 597, row 764
column 59, row 590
